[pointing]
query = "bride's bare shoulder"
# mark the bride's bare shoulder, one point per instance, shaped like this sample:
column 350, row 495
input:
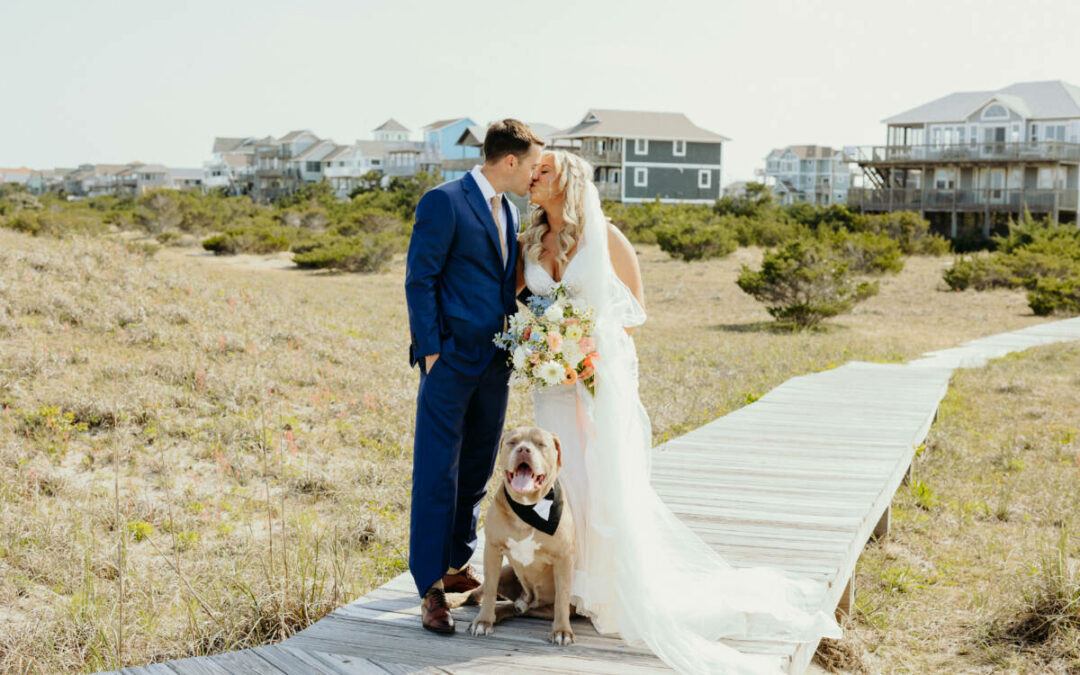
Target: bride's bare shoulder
column 618, row 244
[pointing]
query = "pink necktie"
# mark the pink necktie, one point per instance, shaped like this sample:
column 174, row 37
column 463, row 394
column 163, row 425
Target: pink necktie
column 496, row 207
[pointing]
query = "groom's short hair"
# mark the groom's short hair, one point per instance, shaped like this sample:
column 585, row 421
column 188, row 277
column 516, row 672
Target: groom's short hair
column 507, row 137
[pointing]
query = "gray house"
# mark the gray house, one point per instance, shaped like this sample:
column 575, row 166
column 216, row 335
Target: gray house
column 808, row 173
column 641, row 156
column 979, row 157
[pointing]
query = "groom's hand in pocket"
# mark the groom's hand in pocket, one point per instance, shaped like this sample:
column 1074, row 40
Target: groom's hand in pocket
column 429, row 361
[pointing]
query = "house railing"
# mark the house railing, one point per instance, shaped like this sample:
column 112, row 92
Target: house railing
column 1030, row 151
column 595, row 157
column 934, row 199
column 612, row 191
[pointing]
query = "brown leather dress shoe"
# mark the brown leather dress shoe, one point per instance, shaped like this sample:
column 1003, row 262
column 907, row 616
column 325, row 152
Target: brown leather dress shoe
column 462, row 582
column 434, row 613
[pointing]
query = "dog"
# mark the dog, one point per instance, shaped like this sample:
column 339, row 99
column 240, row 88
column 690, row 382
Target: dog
column 530, row 523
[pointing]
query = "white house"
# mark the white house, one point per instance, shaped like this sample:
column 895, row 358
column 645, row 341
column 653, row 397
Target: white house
column 979, row 156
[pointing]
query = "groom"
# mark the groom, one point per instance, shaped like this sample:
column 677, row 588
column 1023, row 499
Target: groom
column 460, row 285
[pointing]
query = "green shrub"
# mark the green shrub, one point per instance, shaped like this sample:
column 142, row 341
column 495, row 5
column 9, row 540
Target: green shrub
column 367, row 253
column 767, row 231
column 1055, row 296
column 250, row 239
column 54, row 222
column 691, row 241
column 804, row 282
column 908, row 229
column 866, row 252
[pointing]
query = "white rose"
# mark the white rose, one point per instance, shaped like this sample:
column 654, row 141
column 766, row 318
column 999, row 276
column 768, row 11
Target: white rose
column 520, row 357
column 554, row 313
column 550, row 372
column 572, row 353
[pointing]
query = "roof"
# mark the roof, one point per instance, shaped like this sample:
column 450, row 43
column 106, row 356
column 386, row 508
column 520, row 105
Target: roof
column 293, row 135
column 638, row 124
column 442, row 123
column 317, row 151
column 391, row 125
column 809, row 151
column 223, row 144
column 472, row 136
column 336, row 152
column 1034, row 100
column 371, row 148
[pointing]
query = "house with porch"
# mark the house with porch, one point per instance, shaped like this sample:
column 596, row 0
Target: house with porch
column 442, row 137
column 808, row 173
column 232, row 165
column 275, row 174
column 345, row 168
column 640, row 156
column 974, row 159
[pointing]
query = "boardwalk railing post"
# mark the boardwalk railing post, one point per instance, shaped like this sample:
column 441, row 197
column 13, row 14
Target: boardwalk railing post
column 847, row 598
column 881, row 530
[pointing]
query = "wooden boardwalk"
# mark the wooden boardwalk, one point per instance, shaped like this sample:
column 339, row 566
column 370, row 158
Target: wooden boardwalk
column 798, row 480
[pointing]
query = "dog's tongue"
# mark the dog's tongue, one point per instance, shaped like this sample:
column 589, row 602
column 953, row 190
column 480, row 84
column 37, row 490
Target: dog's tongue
column 523, row 480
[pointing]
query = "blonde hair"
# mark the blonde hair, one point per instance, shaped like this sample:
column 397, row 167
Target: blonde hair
column 572, row 174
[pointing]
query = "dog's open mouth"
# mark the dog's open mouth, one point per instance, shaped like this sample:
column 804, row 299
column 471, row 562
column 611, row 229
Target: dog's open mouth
column 523, row 479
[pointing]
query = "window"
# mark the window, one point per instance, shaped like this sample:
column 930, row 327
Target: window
column 613, row 176
column 704, row 178
column 376, row 162
column 996, row 111
column 641, row 176
column 641, row 146
column 678, row 148
column 313, row 167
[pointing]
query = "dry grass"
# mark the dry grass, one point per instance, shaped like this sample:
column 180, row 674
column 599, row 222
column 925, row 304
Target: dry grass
column 199, row 456
column 979, row 574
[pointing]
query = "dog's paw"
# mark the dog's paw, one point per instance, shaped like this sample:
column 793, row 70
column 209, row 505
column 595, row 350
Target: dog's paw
column 480, row 628
column 521, row 606
column 562, row 637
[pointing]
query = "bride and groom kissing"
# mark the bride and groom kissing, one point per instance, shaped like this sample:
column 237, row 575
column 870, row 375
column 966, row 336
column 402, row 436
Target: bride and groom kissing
column 638, row 570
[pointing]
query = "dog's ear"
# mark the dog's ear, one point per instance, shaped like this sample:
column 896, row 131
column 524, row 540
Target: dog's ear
column 558, row 449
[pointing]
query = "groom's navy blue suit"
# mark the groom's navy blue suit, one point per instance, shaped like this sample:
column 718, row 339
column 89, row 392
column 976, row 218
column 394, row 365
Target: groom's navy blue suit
column 459, row 294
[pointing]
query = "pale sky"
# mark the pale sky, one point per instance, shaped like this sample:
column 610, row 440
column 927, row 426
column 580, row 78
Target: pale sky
column 115, row 81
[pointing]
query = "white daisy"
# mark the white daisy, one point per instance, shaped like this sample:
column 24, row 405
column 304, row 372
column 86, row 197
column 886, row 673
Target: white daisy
column 550, row 372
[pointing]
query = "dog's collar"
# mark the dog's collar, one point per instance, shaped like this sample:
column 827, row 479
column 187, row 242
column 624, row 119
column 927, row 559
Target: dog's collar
column 543, row 515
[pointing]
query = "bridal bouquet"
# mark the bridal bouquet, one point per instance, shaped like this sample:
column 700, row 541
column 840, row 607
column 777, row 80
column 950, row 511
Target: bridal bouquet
column 551, row 342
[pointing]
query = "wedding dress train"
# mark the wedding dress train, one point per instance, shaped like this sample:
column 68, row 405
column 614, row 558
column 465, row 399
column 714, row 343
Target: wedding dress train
column 641, row 572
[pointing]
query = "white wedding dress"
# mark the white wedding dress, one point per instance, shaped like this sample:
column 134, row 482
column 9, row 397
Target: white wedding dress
column 640, row 571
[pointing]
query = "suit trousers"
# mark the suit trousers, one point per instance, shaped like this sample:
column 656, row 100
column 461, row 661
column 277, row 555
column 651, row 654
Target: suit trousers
column 459, row 420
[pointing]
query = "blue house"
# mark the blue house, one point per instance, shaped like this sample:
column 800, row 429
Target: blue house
column 442, row 137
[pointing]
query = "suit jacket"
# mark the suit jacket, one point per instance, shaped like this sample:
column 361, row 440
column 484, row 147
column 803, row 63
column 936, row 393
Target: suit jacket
column 456, row 287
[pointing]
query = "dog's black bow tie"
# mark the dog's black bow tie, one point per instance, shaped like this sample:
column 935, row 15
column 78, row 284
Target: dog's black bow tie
column 543, row 515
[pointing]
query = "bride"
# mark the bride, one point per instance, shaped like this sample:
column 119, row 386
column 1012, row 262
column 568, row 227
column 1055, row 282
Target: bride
column 640, row 571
